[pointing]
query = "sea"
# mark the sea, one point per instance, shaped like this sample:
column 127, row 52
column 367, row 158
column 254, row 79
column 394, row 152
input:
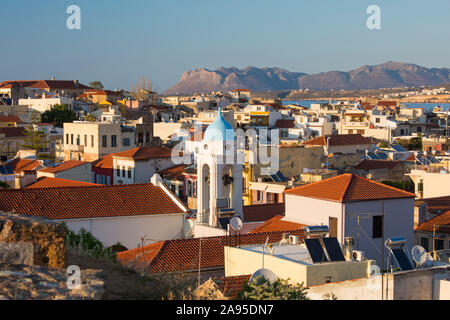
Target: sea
column 428, row 106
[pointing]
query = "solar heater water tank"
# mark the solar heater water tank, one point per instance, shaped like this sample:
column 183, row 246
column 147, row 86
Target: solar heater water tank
column 316, row 230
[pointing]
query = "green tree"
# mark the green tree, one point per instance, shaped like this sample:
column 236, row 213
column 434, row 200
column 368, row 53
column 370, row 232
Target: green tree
column 262, row 289
column 34, row 139
column 96, row 85
column 90, row 117
column 58, row 114
column 35, row 116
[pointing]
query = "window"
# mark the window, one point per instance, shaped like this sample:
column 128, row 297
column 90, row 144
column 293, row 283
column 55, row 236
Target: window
column 108, row 180
column 78, row 139
column 140, row 137
column 350, row 131
column 92, row 141
column 147, row 137
column 118, row 171
column 85, row 140
column 123, row 171
column 377, row 120
column 104, row 141
column 419, row 129
column 438, row 244
column 424, row 243
column 71, row 139
column 113, row 141
column 129, row 172
column 126, row 142
column 377, row 227
column 67, row 138
column 258, row 195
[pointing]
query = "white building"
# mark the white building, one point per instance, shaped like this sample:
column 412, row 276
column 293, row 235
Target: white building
column 356, row 207
column 45, row 102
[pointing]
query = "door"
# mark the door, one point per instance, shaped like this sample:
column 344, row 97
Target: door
column 332, row 225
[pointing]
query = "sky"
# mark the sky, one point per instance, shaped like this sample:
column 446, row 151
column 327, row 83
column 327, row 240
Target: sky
column 122, row 40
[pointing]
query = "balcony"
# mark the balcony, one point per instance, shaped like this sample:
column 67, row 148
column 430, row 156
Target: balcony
column 75, row 148
column 356, row 124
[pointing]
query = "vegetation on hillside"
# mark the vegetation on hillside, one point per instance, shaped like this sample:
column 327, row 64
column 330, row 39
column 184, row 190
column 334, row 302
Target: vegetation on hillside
column 262, row 289
column 58, row 114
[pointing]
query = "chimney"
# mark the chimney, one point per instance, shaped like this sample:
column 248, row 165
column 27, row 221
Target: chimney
column 156, row 180
column 420, row 214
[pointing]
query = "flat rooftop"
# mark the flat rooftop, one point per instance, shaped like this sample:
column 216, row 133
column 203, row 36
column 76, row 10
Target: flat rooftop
column 296, row 253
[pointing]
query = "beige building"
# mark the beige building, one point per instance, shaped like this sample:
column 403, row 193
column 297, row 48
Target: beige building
column 70, row 170
column 431, row 183
column 89, row 141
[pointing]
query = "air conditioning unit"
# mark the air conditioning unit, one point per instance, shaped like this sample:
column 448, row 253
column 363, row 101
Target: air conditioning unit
column 358, row 255
column 293, row 239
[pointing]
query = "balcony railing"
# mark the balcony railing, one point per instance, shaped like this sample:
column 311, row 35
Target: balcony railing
column 356, row 124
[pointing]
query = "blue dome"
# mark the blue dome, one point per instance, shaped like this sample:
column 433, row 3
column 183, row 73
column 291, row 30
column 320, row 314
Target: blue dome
column 219, row 130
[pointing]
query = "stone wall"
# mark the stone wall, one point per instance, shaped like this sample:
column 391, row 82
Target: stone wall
column 46, row 236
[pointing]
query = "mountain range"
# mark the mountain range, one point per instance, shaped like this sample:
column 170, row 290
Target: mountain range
column 387, row 75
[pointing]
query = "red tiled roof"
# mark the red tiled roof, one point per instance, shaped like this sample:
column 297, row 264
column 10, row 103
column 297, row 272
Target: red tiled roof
column 368, row 164
column 174, row 172
column 144, row 153
column 48, row 182
column 276, row 224
column 262, row 212
column 66, row 165
column 231, row 286
column 10, row 119
column 19, row 165
column 436, row 205
column 106, row 162
column 183, row 254
column 89, row 201
column 239, row 90
column 349, row 188
column 13, row 132
column 284, row 124
column 47, row 84
column 411, row 157
column 441, row 222
column 338, row 140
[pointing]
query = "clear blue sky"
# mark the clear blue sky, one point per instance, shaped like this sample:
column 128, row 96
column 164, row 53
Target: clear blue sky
column 122, row 40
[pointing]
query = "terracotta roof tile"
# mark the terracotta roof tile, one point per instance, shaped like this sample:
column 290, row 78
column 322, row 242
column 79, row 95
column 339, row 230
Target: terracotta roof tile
column 183, row 254
column 48, row 182
column 106, row 162
column 338, row 140
column 368, row 164
column 144, row 153
column 231, row 286
column 285, row 124
column 66, row 165
column 175, row 172
column 262, row 212
column 349, row 188
column 276, row 224
column 10, row 119
column 89, row 201
column 20, row 165
column 442, row 223
column 13, row 132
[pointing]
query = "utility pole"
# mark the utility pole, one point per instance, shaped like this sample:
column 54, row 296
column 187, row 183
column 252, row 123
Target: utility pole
column 382, row 249
column 446, row 129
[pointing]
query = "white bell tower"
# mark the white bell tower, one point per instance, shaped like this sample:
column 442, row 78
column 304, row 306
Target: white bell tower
column 219, row 174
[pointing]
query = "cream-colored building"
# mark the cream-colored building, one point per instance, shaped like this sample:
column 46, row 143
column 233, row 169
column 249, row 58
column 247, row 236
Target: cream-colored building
column 89, row 141
column 431, row 183
column 292, row 261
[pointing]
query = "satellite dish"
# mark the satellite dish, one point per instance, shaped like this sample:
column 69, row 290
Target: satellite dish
column 419, row 254
column 236, row 223
column 266, row 273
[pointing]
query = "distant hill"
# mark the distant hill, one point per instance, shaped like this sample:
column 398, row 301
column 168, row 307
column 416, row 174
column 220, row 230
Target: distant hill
column 386, row 75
